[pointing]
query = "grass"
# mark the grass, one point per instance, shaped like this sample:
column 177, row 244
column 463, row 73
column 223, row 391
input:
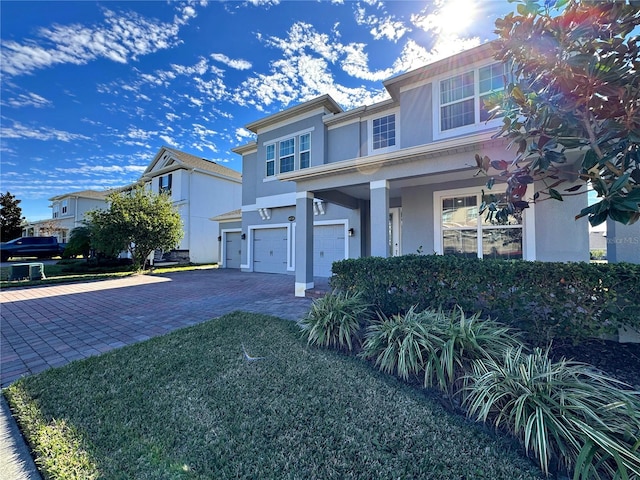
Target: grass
column 191, row 405
column 58, row 273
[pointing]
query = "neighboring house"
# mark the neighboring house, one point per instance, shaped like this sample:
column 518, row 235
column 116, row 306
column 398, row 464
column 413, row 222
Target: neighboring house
column 397, row 177
column 200, row 189
column 67, row 212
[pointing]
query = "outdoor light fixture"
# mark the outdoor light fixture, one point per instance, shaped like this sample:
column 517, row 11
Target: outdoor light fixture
column 265, row 213
column 352, row 232
column 243, row 236
column 219, row 238
column 318, row 208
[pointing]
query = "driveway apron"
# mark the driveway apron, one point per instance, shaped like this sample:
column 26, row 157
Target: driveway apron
column 49, row 326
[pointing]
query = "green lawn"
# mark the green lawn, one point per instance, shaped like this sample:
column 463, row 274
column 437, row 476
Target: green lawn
column 190, row 405
column 60, row 273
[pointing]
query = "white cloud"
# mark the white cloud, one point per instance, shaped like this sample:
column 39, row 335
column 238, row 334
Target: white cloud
column 120, row 38
column 238, row 64
column 383, row 25
column 242, row 134
column 169, row 141
column 17, row 130
column 29, row 99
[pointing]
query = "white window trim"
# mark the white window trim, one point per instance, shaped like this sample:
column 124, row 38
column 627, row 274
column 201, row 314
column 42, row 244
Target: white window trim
column 378, row 151
column 528, row 219
column 438, row 133
column 296, row 152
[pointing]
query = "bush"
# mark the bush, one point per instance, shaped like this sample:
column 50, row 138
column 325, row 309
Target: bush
column 564, row 412
column 398, row 344
column 544, row 299
column 336, row 320
column 438, row 346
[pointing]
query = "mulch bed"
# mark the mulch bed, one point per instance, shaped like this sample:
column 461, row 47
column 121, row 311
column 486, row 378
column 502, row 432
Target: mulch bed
column 619, row 360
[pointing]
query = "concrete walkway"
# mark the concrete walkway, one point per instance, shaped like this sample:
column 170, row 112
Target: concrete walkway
column 49, row 326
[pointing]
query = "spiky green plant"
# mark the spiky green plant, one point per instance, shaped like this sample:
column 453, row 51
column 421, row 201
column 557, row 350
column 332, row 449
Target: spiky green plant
column 336, row 320
column 564, row 412
column 398, row 343
column 460, row 341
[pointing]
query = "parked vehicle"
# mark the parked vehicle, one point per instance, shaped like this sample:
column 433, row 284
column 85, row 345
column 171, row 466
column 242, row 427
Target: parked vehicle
column 40, row 247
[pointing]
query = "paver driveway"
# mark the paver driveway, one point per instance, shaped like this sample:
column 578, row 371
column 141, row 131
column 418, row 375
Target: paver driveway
column 49, row 326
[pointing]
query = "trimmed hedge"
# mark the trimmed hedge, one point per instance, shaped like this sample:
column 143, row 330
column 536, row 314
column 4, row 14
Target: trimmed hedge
column 547, row 300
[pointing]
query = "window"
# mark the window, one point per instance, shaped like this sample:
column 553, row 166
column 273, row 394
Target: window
column 65, row 204
column 165, row 184
column 462, row 96
column 490, row 82
column 384, row 132
column 287, row 158
column 305, row 150
column 466, row 233
column 56, row 211
column 288, row 154
column 271, row 160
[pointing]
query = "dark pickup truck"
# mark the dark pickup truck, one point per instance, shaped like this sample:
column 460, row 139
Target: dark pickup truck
column 40, row 247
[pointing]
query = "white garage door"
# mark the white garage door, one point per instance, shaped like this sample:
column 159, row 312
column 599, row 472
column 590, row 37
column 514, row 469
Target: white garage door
column 232, row 250
column 328, row 247
column 270, row 250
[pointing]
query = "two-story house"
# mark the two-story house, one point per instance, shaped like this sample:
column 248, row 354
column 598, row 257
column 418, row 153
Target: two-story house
column 200, row 189
column 396, row 177
column 67, row 212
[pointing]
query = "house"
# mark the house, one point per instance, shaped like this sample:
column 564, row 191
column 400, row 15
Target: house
column 396, row 177
column 200, row 189
column 67, row 212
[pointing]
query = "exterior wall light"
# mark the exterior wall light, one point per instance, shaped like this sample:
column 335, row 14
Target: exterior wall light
column 219, row 238
column 351, row 232
column 243, row 236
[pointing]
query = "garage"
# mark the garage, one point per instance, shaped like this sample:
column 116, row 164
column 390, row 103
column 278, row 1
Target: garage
column 270, row 250
column 232, row 250
column 328, row 247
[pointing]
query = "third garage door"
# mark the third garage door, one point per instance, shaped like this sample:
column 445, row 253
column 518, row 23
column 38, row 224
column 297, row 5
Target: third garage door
column 270, row 250
column 328, row 247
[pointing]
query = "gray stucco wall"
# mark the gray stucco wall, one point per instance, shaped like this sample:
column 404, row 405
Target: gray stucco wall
column 623, row 242
column 249, row 181
column 343, row 142
column 416, row 120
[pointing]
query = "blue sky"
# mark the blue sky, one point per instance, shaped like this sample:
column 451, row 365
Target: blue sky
column 90, row 90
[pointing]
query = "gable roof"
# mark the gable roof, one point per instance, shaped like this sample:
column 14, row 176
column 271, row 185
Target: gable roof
column 178, row 159
column 228, row 216
column 92, row 194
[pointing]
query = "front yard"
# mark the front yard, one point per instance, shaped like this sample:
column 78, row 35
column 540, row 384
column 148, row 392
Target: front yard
column 243, row 396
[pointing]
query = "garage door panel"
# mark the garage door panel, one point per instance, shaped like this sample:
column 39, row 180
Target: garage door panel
column 232, row 251
column 328, row 247
column 270, row 250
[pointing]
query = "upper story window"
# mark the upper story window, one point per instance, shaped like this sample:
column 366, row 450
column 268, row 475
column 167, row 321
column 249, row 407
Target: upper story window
column 305, row 150
column 164, row 183
column 288, row 154
column 462, row 97
column 56, row 211
column 384, row 132
column 64, row 206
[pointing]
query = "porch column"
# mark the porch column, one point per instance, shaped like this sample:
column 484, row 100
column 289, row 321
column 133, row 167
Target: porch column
column 304, row 242
column 379, row 218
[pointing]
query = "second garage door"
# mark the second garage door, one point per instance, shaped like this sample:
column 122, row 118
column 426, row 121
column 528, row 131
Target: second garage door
column 328, row 247
column 270, row 250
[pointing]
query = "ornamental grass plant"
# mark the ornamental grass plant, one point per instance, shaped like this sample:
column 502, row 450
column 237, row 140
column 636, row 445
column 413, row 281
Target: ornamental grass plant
column 569, row 416
column 336, row 320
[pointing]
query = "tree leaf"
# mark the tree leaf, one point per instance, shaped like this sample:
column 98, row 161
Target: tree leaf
column 555, row 194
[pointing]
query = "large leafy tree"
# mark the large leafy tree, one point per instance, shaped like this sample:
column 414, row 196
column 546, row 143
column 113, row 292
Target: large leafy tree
column 572, row 110
column 138, row 221
column 10, row 217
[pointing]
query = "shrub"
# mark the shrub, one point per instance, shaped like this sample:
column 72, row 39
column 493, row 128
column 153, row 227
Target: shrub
column 546, row 300
column 563, row 412
column 335, row 320
column 398, row 343
column 462, row 340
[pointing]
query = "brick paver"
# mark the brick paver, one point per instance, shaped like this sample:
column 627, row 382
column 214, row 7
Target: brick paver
column 49, row 326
